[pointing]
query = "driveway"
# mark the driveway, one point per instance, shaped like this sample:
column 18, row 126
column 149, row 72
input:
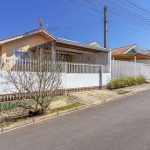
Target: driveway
column 119, row 125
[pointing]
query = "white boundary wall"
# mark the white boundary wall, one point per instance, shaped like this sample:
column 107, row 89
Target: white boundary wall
column 106, row 77
column 72, row 80
column 83, row 80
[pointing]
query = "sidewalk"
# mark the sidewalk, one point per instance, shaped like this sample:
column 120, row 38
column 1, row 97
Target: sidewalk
column 88, row 97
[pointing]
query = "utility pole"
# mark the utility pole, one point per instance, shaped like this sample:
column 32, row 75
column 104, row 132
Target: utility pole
column 105, row 28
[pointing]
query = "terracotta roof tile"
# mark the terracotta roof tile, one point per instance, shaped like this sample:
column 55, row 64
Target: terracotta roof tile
column 121, row 50
column 147, row 52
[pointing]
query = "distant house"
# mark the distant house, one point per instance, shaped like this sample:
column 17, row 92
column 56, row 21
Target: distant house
column 94, row 43
column 147, row 52
column 129, row 53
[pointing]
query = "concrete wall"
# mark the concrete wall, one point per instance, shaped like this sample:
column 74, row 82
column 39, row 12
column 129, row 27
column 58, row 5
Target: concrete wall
column 82, row 80
column 106, row 77
column 9, row 88
column 76, row 80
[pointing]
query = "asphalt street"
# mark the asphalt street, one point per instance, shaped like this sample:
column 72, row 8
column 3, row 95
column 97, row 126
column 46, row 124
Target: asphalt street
column 119, row 125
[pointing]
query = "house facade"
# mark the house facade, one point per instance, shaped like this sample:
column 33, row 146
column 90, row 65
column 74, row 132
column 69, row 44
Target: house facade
column 90, row 53
column 17, row 45
column 88, row 65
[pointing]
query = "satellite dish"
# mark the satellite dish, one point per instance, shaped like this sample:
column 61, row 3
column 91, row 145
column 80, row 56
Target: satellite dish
column 40, row 23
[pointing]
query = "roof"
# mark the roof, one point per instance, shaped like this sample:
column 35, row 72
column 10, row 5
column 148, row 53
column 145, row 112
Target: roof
column 77, row 44
column 122, row 50
column 94, row 43
column 70, row 45
column 147, row 52
column 26, row 34
column 64, row 42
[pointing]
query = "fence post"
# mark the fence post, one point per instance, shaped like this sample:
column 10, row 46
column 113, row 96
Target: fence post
column 66, row 71
column 135, row 66
column 101, row 77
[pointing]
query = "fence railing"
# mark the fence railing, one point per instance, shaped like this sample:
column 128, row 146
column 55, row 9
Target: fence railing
column 146, row 70
column 32, row 65
column 124, row 68
column 83, row 68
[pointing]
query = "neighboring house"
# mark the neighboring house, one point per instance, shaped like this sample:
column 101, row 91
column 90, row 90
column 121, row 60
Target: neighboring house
column 84, row 61
column 94, row 43
column 147, row 52
column 129, row 53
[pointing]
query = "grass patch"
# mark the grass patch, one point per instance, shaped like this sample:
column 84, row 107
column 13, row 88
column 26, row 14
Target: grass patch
column 14, row 104
column 121, row 92
column 124, row 81
column 11, row 121
column 65, row 107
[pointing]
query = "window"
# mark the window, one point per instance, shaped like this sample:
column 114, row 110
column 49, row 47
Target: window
column 20, row 57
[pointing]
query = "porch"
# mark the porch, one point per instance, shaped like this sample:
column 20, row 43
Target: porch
column 84, row 66
column 77, row 52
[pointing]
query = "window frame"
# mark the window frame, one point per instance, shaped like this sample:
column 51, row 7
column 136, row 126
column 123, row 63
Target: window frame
column 15, row 57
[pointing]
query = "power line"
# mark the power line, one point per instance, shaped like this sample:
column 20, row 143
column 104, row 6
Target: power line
column 89, row 32
column 73, row 27
column 74, row 8
column 86, row 6
column 125, row 17
column 137, row 6
column 116, row 9
column 128, row 27
column 121, row 15
column 123, row 2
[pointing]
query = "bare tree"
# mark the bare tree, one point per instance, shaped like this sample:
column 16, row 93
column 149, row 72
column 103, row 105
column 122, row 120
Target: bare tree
column 35, row 77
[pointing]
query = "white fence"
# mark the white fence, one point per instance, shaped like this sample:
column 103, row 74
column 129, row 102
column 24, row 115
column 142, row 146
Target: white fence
column 32, row 65
column 146, row 70
column 124, row 68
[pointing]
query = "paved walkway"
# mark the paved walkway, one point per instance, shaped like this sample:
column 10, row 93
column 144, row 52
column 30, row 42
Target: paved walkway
column 119, row 125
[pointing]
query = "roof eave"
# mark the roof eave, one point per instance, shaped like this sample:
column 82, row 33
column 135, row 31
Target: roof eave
column 26, row 35
column 73, row 43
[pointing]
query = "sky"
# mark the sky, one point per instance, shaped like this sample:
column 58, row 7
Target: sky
column 19, row 16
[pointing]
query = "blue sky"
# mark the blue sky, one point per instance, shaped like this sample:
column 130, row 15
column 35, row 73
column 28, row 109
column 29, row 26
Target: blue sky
column 20, row 16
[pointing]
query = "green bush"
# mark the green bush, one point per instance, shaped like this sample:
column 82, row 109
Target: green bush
column 126, row 81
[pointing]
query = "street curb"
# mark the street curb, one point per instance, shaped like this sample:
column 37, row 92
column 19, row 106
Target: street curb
column 17, row 125
column 46, row 117
column 42, row 118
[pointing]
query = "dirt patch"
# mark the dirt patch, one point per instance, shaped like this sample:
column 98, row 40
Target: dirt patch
column 89, row 97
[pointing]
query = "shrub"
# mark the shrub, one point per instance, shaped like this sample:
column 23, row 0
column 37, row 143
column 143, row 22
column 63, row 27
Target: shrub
column 141, row 79
column 126, row 81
